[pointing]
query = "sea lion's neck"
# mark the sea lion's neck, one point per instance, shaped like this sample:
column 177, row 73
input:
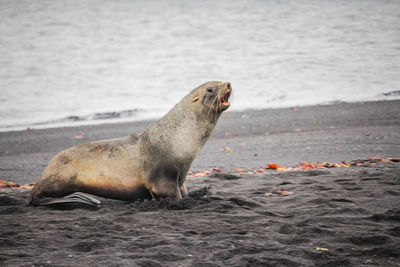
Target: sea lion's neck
column 193, row 123
column 182, row 132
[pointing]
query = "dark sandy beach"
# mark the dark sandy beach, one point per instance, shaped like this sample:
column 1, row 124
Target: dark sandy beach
column 331, row 217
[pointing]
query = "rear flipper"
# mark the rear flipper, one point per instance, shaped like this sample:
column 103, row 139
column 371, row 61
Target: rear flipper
column 77, row 199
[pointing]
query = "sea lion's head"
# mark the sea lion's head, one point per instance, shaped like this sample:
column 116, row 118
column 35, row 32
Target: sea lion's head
column 212, row 97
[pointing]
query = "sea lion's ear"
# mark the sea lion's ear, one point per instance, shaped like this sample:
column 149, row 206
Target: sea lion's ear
column 195, row 99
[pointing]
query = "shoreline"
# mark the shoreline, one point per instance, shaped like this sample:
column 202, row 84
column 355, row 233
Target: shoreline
column 95, row 122
column 286, row 136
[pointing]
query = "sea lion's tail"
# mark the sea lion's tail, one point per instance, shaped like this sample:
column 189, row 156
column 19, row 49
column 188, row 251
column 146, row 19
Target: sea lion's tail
column 74, row 199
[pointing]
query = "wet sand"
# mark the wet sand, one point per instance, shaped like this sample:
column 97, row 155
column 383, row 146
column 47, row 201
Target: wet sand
column 331, row 217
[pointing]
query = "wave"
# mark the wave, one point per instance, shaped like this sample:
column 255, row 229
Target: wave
column 100, row 116
column 90, row 119
column 395, row 93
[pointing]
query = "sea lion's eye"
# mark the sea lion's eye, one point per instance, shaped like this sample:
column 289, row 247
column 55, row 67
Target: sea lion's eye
column 210, row 89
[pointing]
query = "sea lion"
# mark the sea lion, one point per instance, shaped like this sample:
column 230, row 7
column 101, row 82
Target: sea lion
column 138, row 166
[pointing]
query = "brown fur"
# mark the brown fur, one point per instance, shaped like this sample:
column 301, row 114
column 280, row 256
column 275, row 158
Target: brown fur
column 153, row 162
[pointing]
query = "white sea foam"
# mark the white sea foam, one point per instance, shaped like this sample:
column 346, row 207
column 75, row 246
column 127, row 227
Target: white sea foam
column 77, row 58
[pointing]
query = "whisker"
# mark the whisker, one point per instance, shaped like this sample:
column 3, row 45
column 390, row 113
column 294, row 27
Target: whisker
column 219, row 105
column 212, row 104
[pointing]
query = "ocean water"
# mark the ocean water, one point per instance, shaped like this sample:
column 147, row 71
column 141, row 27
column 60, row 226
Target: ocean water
column 82, row 62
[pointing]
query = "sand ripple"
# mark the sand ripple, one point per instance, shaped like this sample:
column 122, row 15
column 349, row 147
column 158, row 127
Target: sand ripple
column 340, row 217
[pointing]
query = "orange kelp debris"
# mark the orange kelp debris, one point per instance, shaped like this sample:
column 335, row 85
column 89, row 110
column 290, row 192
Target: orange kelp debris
column 317, row 165
column 198, row 174
column 205, row 173
column 284, row 193
column 26, row 186
column 345, row 164
column 279, row 192
column 272, row 166
column 282, row 169
column 303, row 166
column 5, row 184
column 215, row 170
column 227, row 149
column 275, row 166
column 321, row 249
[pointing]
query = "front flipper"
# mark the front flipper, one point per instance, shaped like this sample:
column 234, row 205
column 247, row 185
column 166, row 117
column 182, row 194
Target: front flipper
column 164, row 182
column 74, row 199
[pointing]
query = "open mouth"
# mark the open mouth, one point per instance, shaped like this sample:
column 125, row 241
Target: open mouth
column 224, row 100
